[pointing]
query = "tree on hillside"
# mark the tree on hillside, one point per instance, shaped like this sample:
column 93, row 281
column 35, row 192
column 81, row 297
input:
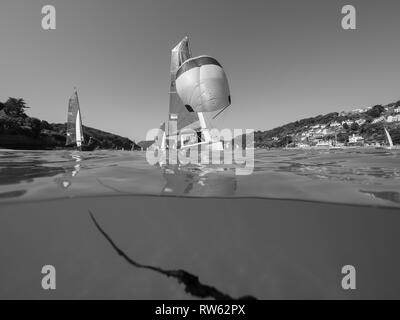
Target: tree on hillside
column 330, row 117
column 36, row 126
column 15, row 107
column 375, row 111
column 342, row 137
column 395, row 134
column 46, row 125
column 354, row 126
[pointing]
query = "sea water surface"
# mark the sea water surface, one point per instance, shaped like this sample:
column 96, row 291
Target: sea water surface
column 284, row 231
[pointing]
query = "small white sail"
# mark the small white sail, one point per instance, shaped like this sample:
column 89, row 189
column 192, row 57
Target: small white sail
column 389, row 138
column 78, row 130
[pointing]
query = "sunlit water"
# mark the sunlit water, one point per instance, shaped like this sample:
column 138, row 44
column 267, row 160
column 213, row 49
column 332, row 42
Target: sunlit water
column 355, row 176
column 283, row 231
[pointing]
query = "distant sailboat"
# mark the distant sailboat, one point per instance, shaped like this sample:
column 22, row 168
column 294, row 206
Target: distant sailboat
column 389, row 139
column 199, row 92
column 75, row 137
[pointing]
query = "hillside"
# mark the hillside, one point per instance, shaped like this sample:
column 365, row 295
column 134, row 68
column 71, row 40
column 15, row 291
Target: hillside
column 364, row 125
column 19, row 131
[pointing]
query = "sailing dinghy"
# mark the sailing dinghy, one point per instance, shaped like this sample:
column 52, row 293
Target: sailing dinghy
column 389, row 139
column 199, row 92
column 75, row 137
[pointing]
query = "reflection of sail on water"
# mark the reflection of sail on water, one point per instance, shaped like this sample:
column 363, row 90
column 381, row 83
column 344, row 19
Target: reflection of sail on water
column 389, row 138
column 71, row 172
column 74, row 123
column 77, row 167
column 199, row 181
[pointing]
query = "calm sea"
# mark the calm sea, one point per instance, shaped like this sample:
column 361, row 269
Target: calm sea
column 285, row 231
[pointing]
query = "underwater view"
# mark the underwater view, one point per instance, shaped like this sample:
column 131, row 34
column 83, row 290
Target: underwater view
column 116, row 227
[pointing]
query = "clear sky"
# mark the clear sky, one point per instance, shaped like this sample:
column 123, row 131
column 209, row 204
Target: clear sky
column 285, row 60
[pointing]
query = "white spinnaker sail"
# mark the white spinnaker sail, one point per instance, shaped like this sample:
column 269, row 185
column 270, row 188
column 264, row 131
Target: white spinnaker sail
column 202, row 85
column 389, row 138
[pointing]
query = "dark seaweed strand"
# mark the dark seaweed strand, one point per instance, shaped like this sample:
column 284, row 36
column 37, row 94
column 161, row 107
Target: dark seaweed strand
column 190, row 281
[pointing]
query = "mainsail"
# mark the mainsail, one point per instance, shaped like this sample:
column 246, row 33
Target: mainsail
column 177, row 110
column 74, row 122
column 389, row 138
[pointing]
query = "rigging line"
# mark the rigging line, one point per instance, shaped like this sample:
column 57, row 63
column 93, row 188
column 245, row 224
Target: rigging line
column 220, row 112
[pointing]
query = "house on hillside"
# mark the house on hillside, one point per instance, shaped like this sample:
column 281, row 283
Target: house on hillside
column 395, row 118
column 335, row 124
column 356, row 140
column 348, row 122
